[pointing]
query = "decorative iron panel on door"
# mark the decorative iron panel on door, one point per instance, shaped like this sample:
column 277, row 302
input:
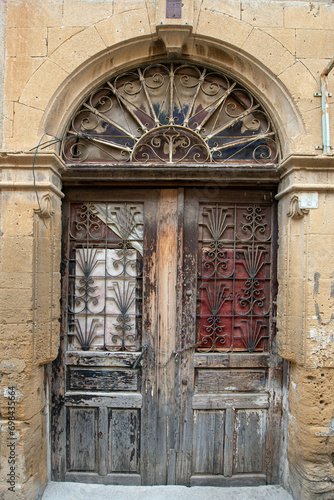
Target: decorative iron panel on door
column 234, row 275
column 167, row 372
column 105, row 274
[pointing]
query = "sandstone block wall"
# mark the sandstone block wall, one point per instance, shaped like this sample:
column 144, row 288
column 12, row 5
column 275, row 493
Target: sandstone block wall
column 52, row 53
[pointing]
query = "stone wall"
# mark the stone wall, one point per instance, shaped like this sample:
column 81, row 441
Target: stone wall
column 30, row 292
column 58, row 50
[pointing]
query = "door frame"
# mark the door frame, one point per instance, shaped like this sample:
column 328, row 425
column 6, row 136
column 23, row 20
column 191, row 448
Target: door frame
column 182, row 375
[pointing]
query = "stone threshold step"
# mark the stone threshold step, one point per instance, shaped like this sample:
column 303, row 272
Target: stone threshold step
column 81, row 491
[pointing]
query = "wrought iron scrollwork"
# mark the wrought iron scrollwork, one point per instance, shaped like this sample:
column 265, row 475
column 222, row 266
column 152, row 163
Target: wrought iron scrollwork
column 171, row 113
column 234, row 278
column 105, row 276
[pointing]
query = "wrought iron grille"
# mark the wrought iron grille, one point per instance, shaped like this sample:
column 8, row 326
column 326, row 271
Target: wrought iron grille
column 234, row 275
column 171, row 113
column 105, row 277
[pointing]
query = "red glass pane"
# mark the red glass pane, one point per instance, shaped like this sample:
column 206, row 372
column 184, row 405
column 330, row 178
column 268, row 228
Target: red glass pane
column 234, row 278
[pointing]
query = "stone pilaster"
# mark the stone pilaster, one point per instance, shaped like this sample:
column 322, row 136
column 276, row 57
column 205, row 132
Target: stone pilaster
column 30, row 291
column 306, row 319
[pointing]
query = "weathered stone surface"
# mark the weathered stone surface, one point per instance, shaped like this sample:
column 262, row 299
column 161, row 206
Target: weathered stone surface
column 228, row 7
column 217, row 25
column 120, row 6
column 16, row 339
column 18, row 216
column 85, row 12
column 287, row 37
column 272, row 53
column 19, row 70
column 78, row 49
column 38, row 90
column 30, row 460
column 315, row 16
column 116, row 28
column 24, row 136
column 301, row 83
column 33, row 13
column 57, row 51
column 57, row 36
column 311, row 433
column 317, row 43
column 26, row 42
column 29, row 390
column 263, row 14
column 22, row 248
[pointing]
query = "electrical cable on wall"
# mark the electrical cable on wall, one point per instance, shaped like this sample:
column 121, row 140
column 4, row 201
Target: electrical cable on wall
column 44, row 145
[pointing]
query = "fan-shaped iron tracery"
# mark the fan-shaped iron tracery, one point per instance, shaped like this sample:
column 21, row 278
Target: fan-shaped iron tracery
column 171, row 113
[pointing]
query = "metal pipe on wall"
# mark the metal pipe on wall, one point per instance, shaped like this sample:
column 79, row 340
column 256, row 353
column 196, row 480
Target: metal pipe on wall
column 325, row 107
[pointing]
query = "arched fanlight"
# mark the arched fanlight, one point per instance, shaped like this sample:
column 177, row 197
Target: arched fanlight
column 170, row 114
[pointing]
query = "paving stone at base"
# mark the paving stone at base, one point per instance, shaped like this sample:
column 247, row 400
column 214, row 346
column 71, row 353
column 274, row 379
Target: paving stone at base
column 80, row 491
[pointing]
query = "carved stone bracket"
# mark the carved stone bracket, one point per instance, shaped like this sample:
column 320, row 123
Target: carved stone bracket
column 295, row 211
column 45, row 209
column 173, row 37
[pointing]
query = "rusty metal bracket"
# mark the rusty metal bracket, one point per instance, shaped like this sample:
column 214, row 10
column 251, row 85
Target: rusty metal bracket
column 140, row 357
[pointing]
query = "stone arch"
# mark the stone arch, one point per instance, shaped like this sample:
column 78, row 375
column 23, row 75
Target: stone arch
column 258, row 74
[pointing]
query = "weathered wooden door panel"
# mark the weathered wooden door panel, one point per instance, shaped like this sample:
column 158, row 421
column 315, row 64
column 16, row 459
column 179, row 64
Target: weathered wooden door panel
column 124, row 441
column 167, row 371
column 82, row 437
column 166, row 338
column 233, row 375
column 249, row 440
column 96, row 417
column 208, row 441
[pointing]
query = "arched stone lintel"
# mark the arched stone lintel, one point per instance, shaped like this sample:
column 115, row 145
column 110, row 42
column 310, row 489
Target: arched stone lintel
column 258, row 78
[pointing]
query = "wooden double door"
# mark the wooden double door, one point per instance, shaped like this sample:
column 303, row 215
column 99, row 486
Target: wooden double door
column 167, row 371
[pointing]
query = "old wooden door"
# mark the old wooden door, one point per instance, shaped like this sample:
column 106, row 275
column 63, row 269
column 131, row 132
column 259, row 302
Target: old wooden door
column 167, row 372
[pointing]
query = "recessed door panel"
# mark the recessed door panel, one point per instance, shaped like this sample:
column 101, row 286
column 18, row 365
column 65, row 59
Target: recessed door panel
column 124, row 441
column 208, row 441
column 82, row 432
